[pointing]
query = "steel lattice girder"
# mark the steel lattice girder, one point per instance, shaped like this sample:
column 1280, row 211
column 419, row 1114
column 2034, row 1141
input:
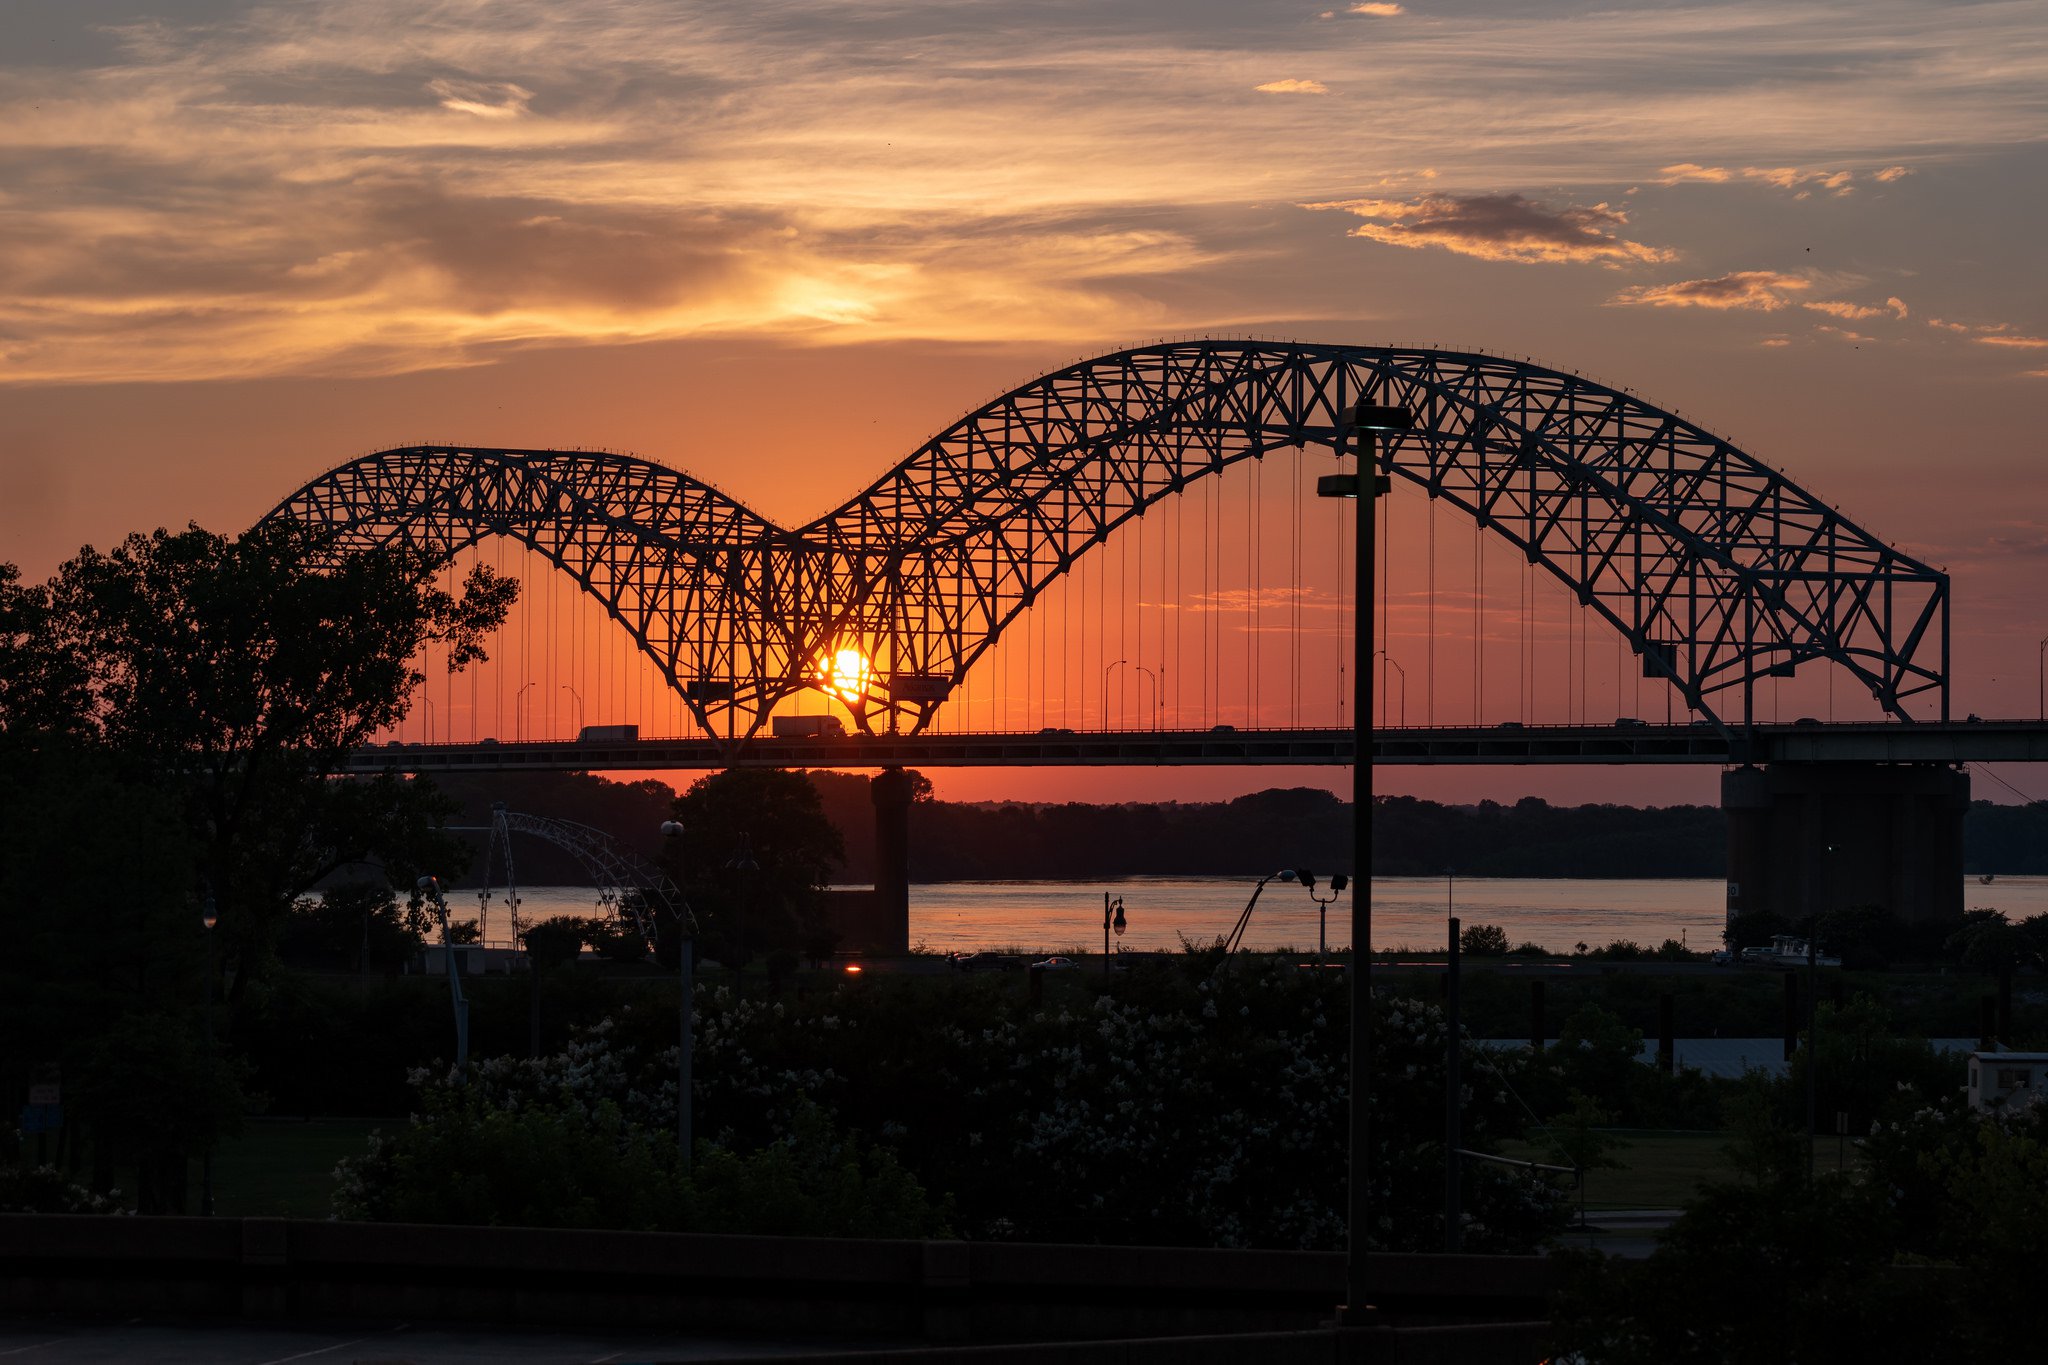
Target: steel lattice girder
column 610, row 867
column 1716, row 568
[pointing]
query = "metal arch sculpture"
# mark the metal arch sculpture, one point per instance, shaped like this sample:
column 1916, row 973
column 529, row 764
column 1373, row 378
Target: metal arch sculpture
column 1716, row 568
column 621, row 876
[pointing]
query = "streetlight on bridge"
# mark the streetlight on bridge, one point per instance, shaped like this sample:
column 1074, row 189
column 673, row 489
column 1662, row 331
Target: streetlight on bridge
column 1365, row 487
column 1392, row 663
column 518, row 711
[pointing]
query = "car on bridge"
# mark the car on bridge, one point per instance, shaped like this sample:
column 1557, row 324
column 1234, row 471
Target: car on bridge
column 1056, row 964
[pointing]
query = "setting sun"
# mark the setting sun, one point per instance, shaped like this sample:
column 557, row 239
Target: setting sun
column 846, row 674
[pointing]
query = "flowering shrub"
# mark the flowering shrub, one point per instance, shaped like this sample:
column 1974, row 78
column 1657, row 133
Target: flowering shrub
column 45, row 1189
column 1200, row 1104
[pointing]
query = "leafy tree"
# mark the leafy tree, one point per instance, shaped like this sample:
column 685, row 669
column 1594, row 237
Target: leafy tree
column 1915, row 1260
column 1483, row 940
column 1990, row 942
column 352, row 924
column 1754, row 928
column 172, row 716
column 616, row 940
column 554, row 1162
column 250, row 667
column 1763, row 1146
column 756, row 851
column 1579, row 1133
column 1792, row 1273
column 554, row 942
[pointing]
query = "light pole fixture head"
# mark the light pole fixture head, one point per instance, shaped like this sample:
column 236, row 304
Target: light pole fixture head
column 1338, row 881
column 1285, row 874
column 1376, row 417
column 1346, row 485
column 1306, row 878
column 670, row 829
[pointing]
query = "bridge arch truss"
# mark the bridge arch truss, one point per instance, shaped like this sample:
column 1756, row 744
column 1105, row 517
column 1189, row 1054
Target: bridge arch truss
column 1715, row 568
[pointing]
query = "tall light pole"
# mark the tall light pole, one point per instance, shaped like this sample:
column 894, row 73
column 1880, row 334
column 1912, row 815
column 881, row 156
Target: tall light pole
column 2040, row 676
column 1106, row 671
column 1364, row 487
column 579, row 708
column 431, row 888
column 1391, row 663
column 209, row 915
column 518, row 713
column 1155, row 692
column 1337, row 885
column 672, row 844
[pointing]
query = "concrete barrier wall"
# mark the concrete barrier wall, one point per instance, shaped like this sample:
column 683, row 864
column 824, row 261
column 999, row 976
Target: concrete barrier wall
column 938, row 1290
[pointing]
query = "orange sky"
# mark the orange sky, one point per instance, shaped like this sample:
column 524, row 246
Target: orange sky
column 781, row 245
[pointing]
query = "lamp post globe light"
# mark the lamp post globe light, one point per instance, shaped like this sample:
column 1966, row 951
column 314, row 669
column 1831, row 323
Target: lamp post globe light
column 1111, row 921
column 1338, row 882
column 671, row 840
column 1364, row 487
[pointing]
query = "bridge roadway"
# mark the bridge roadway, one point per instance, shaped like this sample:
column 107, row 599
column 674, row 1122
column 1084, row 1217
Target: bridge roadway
column 1970, row 741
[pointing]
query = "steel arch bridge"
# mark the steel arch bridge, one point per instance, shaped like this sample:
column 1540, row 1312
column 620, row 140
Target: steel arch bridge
column 1717, row 569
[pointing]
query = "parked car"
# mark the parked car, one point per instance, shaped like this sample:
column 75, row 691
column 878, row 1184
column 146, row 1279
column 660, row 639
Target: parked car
column 986, row 962
column 1722, row 958
column 1056, row 964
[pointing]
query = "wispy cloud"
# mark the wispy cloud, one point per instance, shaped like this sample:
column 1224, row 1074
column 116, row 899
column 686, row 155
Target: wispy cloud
column 1501, row 227
column 1758, row 290
column 1858, row 312
column 2024, row 343
column 1377, row 9
column 485, row 99
column 1797, row 178
column 226, row 192
column 1293, row 87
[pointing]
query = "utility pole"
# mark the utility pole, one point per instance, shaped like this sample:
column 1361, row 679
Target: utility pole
column 1364, row 488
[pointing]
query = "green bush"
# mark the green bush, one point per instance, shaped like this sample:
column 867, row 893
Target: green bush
column 1484, row 940
column 554, row 942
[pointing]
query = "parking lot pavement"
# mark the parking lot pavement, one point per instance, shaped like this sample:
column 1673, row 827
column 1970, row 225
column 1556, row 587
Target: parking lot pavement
column 173, row 1341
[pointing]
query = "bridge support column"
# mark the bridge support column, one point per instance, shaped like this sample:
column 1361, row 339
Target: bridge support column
column 890, row 790
column 1807, row 838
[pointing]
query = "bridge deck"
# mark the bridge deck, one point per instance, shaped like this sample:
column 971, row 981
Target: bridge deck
column 2004, row 741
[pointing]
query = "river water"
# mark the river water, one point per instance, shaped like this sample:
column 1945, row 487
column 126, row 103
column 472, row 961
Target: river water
column 1408, row 912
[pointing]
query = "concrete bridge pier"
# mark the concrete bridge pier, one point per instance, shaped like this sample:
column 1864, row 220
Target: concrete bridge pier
column 890, row 790
column 1807, row 838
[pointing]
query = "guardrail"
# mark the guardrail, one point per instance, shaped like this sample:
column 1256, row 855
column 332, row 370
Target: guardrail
column 940, row 1290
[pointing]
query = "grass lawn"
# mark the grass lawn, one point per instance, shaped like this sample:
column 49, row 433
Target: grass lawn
column 1661, row 1170
column 284, row 1168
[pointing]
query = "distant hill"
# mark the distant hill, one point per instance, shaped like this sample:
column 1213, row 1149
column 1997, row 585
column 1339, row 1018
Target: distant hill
column 1250, row 836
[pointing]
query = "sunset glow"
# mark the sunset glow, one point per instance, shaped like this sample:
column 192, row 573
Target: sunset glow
column 847, row 675
column 242, row 241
